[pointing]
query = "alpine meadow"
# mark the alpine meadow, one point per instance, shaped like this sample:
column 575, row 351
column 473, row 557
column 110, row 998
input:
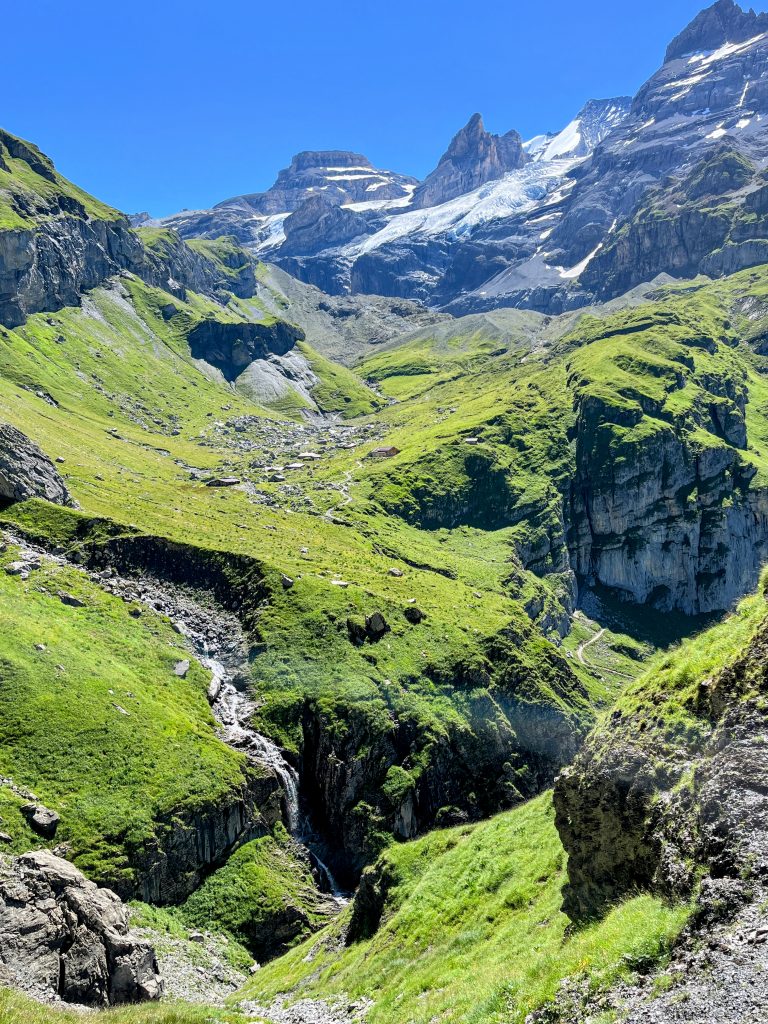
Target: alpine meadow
column 383, row 588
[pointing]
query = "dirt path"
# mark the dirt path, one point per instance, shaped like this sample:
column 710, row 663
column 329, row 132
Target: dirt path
column 586, row 644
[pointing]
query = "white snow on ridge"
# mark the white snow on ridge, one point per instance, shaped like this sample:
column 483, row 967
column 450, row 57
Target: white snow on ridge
column 727, row 50
column 383, row 204
column 533, row 147
column 566, row 142
column 515, row 193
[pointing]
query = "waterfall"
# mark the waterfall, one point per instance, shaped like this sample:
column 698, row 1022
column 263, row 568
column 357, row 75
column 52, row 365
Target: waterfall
column 233, row 710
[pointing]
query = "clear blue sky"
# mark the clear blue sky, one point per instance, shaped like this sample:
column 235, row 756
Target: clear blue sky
column 163, row 104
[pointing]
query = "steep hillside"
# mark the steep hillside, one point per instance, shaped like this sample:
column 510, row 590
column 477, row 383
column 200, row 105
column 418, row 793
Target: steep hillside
column 481, row 901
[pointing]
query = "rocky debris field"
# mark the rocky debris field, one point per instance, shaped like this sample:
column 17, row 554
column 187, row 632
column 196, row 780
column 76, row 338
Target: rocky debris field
column 196, row 969
column 310, row 1011
column 717, row 973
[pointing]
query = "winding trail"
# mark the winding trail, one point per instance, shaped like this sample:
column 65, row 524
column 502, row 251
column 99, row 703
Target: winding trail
column 586, row 644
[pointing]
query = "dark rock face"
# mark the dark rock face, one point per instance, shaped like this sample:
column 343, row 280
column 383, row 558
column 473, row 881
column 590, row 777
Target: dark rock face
column 319, row 223
column 62, row 936
column 354, row 780
column 170, row 264
column 723, row 22
column 473, row 157
column 25, row 472
column 232, row 347
column 629, row 819
column 187, row 847
column 50, row 267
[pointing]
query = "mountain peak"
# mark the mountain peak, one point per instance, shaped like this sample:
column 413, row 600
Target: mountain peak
column 309, row 159
column 723, row 22
column 473, row 157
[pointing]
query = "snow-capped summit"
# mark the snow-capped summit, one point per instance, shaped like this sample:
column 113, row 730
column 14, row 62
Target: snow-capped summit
column 578, row 139
column 473, row 157
column 724, row 22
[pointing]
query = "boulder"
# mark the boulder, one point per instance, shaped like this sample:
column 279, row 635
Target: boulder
column 41, row 820
column 62, row 936
column 25, row 472
column 414, row 615
column 376, row 626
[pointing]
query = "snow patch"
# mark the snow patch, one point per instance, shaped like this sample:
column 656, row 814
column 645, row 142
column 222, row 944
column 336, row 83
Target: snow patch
column 729, row 49
column 579, row 269
column 718, row 133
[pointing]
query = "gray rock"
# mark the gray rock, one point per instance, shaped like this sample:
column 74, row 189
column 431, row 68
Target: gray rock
column 473, row 157
column 41, row 819
column 376, row 625
column 25, row 472
column 63, row 936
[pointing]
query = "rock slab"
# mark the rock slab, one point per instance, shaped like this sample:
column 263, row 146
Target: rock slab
column 62, row 936
column 25, row 472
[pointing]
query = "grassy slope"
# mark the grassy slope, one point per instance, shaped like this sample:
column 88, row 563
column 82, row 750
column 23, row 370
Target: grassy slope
column 263, row 896
column 18, row 1009
column 121, row 368
column 134, row 376
column 97, row 724
column 473, row 931
column 26, row 194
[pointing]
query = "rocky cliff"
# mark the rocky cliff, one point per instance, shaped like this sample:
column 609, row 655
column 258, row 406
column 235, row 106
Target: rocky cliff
column 55, row 241
column 671, row 782
column 473, row 157
column 25, row 472
column 63, row 937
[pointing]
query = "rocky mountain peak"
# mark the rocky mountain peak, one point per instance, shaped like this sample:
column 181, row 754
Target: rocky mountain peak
column 723, row 22
column 311, row 159
column 473, row 157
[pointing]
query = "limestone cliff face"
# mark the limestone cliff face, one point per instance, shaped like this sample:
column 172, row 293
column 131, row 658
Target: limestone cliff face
column 667, row 520
column 49, row 266
column 642, row 805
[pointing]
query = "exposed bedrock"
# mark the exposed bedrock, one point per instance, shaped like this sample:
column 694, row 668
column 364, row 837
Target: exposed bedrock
column 232, row 347
column 25, row 472
column 640, row 808
column 61, row 936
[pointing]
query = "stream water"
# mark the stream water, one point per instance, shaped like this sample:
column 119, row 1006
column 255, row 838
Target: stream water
column 217, row 641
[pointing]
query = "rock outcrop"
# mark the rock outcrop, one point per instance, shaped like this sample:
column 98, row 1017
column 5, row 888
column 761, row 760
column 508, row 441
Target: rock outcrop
column 57, row 244
column 473, row 157
column 232, row 347
column 25, row 472
column 646, row 802
column 61, row 936
column 667, row 521
column 724, row 22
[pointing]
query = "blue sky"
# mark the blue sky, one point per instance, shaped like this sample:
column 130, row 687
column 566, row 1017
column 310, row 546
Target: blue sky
column 180, row 103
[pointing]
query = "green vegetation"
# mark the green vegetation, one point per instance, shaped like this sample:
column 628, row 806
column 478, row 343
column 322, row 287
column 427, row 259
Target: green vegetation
column 472, row 931
column 94, row 720
column 265, row 897
column 670, row 685
column 338, row 389
column 31, row 189
column 15, row 1008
